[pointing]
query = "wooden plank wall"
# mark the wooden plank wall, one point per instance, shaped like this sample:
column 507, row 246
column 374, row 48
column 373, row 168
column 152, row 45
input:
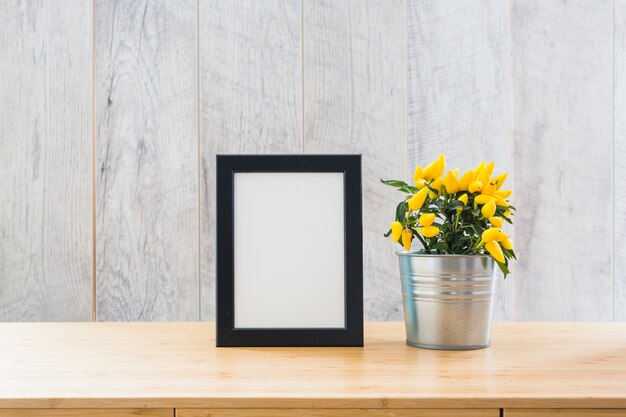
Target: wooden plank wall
column 562, row 100
column 46, row 161
column 132, row 100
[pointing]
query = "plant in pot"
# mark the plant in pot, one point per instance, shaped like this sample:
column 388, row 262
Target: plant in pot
column 448, row 285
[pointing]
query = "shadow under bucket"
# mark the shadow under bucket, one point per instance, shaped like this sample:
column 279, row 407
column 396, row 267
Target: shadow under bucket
column 448, row 300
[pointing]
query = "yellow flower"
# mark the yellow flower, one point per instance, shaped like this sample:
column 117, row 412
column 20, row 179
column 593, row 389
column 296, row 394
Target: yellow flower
column 396, row 231
column 490, row 234
column 451, row 183
column 427, row 219
column 489, row 209
column 475, row 187
column 507, row 244
column 499, row 180
column 483, row 199
column 407, row 236
column 496, row 221
column 417, row 201
column 465, row 180
column 501, row 237
column 418, row 175
column 436, row 184
column 495, row 250
column 430, row 231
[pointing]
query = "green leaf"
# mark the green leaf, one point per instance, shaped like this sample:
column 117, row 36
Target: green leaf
column 440, row 246
column 394, row 183
column 401, row 210
column 454, row 204
column 388, row 233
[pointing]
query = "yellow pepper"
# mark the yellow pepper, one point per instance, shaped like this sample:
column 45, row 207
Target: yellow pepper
column 507, row 213
column 499, row 180
column 418, row 174
column 478, row 169
column 483, row 199
column 475, row 187
column 490, row 234
column 463, row 199
column 502, row 202
column 436, row 184
column 503, row 193
column 501, row 237
column 430, row 231
column 507, row 244
column 465, row 180
column 441, row 166
column 427, row 219
column 407, row 236
column 451, row 183
column 495, row 250
column 489, row 189
column 496, row 221
column 420, row 183
column 396, row 231
column 489, row 209
column 417, row 201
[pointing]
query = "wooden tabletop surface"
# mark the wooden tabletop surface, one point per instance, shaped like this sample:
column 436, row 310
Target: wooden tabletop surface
column 177, row 365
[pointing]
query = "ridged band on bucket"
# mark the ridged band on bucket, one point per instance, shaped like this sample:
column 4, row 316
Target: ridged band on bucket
column 447, row 299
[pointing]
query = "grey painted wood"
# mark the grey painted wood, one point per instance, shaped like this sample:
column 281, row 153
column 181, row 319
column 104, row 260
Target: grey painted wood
column 147, row 169
column 562, row 132
column 355, row 102
column 45, row 161
column 250, row 97
column 458, row 100
column 619, row 175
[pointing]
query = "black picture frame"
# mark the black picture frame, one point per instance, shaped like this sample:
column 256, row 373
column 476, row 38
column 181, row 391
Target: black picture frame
column 226, row 332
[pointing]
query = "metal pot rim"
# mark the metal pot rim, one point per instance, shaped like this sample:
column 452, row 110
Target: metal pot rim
column 437, row 255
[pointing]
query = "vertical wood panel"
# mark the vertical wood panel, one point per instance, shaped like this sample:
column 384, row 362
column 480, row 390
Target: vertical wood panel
column 458, row 66
column 619, row 175
column 147, row 170
column 354, row 102
column 250, row 98
column 45, row 161
column 562, row 119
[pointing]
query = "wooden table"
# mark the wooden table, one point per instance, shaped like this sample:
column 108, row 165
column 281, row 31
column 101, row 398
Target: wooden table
column 150, row 369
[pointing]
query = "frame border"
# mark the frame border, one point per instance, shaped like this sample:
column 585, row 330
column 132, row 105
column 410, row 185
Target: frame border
column 226, row 333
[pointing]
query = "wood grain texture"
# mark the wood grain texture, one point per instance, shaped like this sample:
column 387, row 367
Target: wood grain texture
column 458, row 75
column 93, row 412
column 176, row 365
column 564, row 412
column 562, row 140
column 619, row 160
column 357, row 412
column 354, row 102
column 45, row 161
column 250, row 98
column 147, row 162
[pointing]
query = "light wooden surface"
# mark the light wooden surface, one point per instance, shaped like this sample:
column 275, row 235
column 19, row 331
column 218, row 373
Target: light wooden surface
column 562, row 150
column 45, row 161
column 94, row 412
column 564, row 413
column 529, row 365
column 147, row 161
column 356, row 412
column 619, row 158
column 354, row 102
column 250, row 98
column 458, row 92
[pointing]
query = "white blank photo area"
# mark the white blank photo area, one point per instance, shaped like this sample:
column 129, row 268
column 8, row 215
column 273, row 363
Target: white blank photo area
column 289, row 250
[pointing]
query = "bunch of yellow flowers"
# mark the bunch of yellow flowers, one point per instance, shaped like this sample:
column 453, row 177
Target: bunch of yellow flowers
column 449, row 214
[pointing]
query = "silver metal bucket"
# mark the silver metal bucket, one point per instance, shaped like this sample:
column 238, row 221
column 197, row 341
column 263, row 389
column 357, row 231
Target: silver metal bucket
column 448, row 300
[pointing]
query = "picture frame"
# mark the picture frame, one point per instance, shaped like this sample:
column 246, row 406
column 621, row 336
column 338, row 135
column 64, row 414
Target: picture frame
column 285, row 275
